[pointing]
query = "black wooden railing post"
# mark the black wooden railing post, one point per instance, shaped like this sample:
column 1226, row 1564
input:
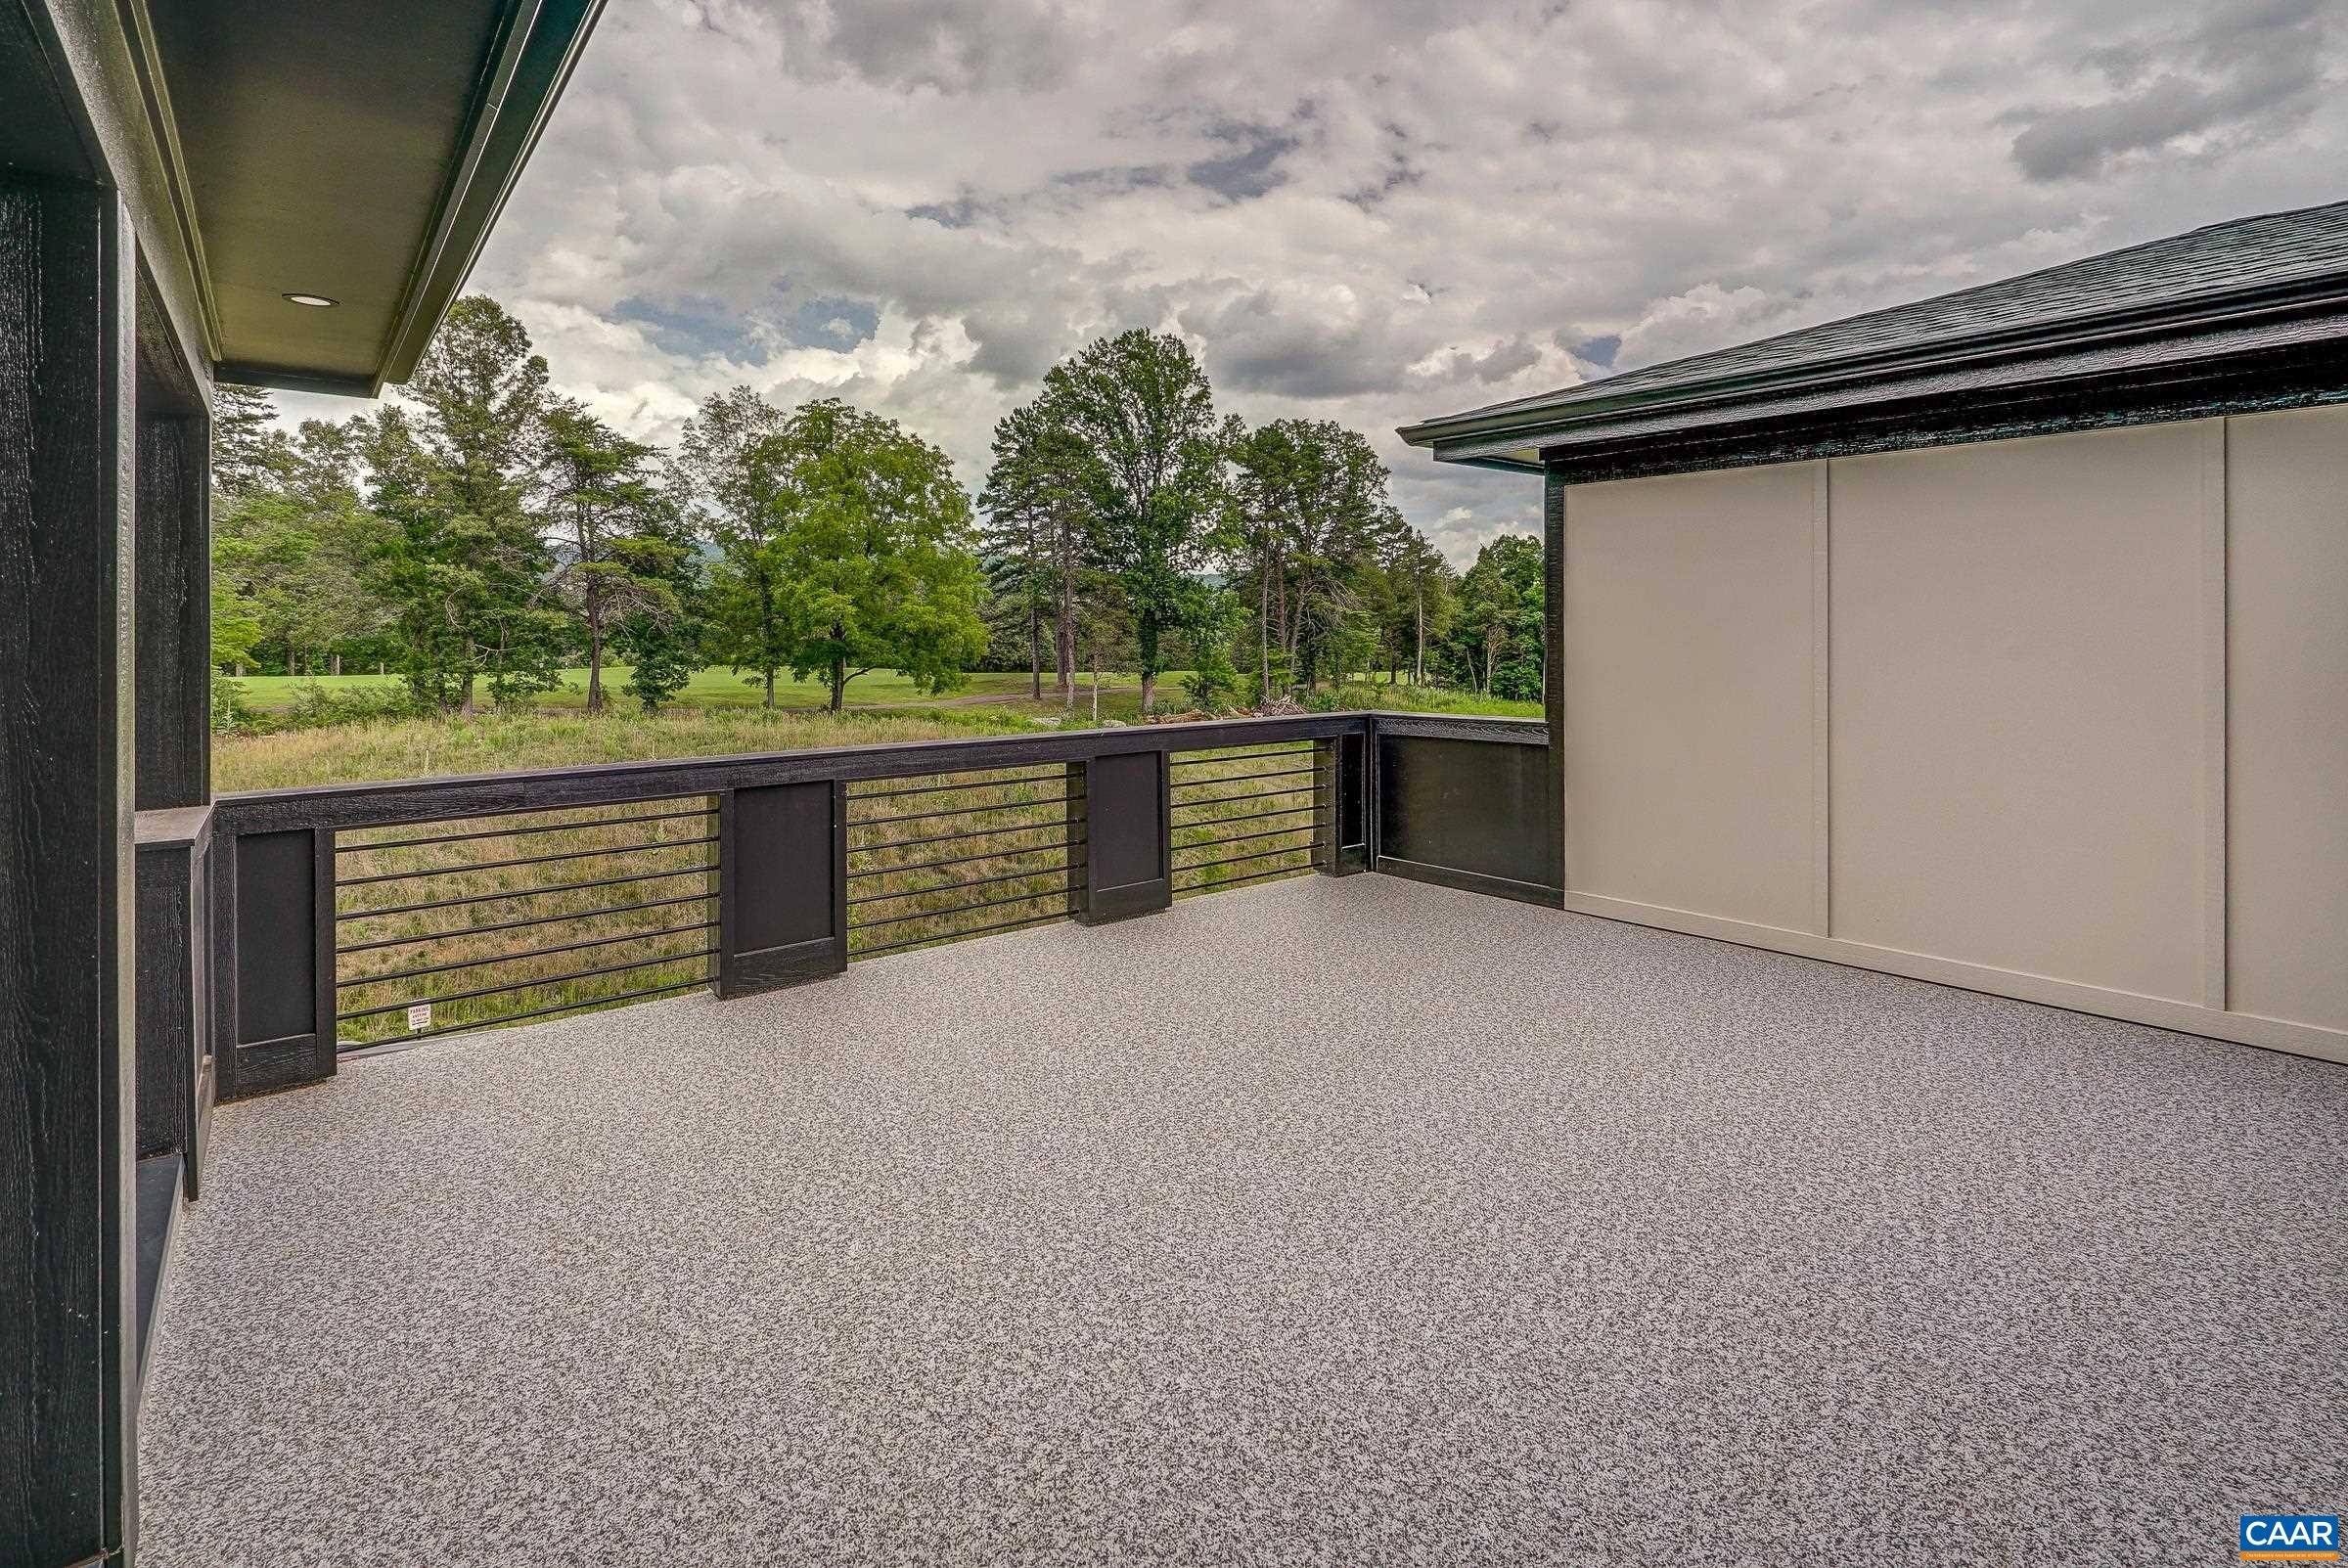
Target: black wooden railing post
column 1073, row 842
column 1129, row 842
column 273, row 948
column 174, row 1015
column 1341, row 802
column 782, row 885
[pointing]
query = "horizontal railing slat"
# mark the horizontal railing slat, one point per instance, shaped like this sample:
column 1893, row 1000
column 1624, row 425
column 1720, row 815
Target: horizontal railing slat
column 459, row 868
column 519, row 892
column 515, row 925
column 527, row 953
column 524, row 985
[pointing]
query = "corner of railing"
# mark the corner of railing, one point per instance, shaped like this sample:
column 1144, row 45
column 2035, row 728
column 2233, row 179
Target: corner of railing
column 1341, row 788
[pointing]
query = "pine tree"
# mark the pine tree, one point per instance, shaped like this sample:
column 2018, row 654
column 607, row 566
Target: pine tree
column 620, row 543
column 462, row 556
column 728, row 490
column 1038, row 542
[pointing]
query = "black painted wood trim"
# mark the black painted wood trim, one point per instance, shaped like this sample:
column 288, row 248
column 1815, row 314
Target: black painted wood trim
column 2301, row 375
column 260, row 963
column 67, row 1083
column 174, row 612
column 166, row 1019
column 1342, row 820
column 219, row 998
column 552, row 788
column 839, row 876
column 1467, row 727
column 744, row 853
column 323, row 1033
column 2169, row 337
column 158, row 1184
column 1113, row 807
column 1471, row 883
column 729, row 891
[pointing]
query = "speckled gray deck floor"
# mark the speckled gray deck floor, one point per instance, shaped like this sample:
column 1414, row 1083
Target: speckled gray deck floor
column 1329, row 1221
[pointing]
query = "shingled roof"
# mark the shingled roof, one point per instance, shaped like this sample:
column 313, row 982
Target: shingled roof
column 2169, row 329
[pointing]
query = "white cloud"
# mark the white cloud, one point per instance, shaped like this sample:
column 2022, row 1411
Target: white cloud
column 1369, row 211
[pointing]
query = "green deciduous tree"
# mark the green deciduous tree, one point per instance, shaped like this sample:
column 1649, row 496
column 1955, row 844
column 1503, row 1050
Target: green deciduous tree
column 1136, row 415
column 870, row 536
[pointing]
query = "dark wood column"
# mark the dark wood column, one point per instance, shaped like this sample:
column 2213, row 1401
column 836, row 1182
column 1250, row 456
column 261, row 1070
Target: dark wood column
column 174, row 607
column 174, row 770
column 66, row 758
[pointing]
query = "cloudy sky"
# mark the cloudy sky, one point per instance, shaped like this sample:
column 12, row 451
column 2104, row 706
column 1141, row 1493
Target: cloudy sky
column 1373, row 211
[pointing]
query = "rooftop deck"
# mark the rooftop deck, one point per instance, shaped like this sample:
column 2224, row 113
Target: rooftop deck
column 1328, row 1221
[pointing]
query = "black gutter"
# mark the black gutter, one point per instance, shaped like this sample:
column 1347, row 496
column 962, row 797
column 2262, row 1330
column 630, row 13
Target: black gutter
column 2229, row 310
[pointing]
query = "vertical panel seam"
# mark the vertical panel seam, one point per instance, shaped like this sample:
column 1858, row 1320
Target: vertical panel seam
column 2216, row 632
column 1822, row 772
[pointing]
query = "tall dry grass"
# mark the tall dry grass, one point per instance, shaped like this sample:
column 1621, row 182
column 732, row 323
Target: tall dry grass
column 432, row 748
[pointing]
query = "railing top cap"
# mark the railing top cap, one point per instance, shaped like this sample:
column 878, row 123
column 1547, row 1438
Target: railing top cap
column 594, row 784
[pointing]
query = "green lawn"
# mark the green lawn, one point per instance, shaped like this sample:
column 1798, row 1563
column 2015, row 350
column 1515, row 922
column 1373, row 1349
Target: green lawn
column 716, row 687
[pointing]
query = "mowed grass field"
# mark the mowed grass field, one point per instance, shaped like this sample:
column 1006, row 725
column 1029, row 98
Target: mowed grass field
column 497, row 743
column 716, row 687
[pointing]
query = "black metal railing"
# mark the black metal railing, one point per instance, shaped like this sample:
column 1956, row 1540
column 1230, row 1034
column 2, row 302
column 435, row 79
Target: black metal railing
column 952, row 856
column 496, row 919
column 1247, row 814
column 345, row 918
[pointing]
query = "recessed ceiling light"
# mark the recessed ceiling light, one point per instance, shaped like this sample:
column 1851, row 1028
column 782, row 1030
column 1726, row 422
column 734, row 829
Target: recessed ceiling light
column 318, row 300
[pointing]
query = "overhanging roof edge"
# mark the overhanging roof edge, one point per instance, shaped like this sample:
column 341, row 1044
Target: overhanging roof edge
column 2179, row 320
column 521, row 83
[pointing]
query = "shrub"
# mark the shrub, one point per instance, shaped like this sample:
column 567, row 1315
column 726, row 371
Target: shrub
column 317, row 708
column 230, row 715
column 1210, row 690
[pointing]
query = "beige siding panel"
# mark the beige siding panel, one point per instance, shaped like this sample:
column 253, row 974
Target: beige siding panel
column 2287, row 675
column 1689, row 693
column 2018, row 705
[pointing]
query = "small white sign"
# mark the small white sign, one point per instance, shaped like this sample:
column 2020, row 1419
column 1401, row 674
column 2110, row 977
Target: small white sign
column 419, row 1016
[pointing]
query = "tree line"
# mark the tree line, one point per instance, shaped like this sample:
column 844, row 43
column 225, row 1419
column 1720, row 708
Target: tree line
column 482, row 534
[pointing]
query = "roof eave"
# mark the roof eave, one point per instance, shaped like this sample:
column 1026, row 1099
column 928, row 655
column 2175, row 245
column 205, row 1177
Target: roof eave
column 530, row 69
column 1532, row 425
